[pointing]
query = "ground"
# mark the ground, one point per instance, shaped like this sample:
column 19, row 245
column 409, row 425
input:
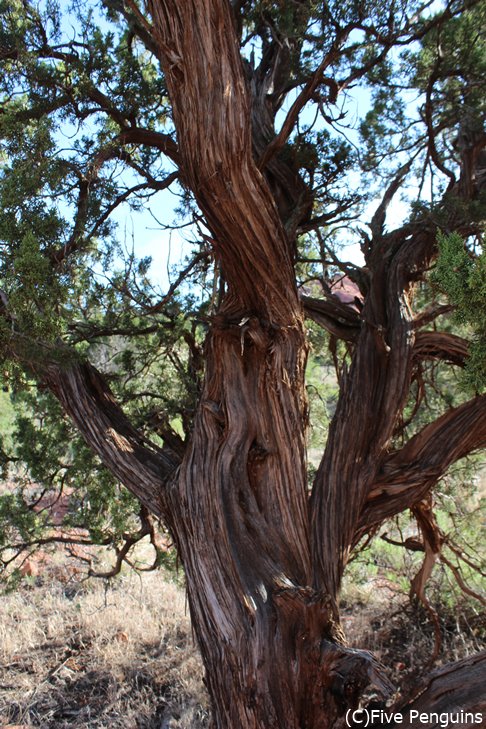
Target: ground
column 121, row 655
column 118, row 655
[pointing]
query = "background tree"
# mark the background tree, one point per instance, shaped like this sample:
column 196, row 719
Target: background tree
column 246, row 109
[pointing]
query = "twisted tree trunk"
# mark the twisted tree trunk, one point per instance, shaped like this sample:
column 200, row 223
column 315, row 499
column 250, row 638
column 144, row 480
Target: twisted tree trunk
column 263, row 560
column 263, row 575
column 270, row 638
column 239, row 513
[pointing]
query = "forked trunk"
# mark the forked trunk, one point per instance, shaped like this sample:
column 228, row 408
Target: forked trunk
column 264, row 558
column 270, row 642
column 267, row 629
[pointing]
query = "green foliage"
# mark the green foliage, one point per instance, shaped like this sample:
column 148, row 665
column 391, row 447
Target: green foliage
column 45, row 458
column 16, row 519
column 456, row 53
column 379, row 129
column 56, row 460
column 438, row 84
column 322, row 391
column 462, row 276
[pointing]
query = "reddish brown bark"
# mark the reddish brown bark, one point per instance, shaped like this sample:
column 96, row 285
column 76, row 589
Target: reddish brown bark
column 455, row 691
column 239, row 514
column 407, row 475
column 238, row 509
column 142, row 466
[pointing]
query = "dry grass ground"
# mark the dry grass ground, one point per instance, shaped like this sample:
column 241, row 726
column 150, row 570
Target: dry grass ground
column 122, row 656
column 118, row 656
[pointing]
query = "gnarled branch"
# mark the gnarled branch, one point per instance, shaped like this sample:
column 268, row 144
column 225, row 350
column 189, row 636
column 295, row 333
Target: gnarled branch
column 408, row 475
column 441, row 346
column 457, row 688
column 142, row 466
column 338, row 318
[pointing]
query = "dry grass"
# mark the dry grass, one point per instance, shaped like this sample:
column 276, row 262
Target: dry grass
column 118, row 656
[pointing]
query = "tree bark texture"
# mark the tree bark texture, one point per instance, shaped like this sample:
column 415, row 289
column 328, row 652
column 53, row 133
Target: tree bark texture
column 456, row 690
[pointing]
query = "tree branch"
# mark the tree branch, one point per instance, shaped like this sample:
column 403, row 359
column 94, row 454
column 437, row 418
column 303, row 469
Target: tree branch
column 454, row 689
column 331, row 314
column 175, row 285
column 305, row 95
column 378, row 382
column 442, row 346
column 378, row 220
column 79, row 238
column 430, row 314
column 136, row 21
column 139, row 464
column 407, row 475
column 143, row 467
column 151, row 138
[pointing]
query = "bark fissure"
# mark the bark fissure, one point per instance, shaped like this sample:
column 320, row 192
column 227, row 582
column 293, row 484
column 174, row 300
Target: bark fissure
column 263, row 565
column 406, row 476
column 212, row 117
column 239, row 510
column 372, row 395
column 243, row 532
column 456, row 690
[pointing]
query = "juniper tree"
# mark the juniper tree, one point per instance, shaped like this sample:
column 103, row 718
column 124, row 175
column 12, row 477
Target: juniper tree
column 276, row 123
